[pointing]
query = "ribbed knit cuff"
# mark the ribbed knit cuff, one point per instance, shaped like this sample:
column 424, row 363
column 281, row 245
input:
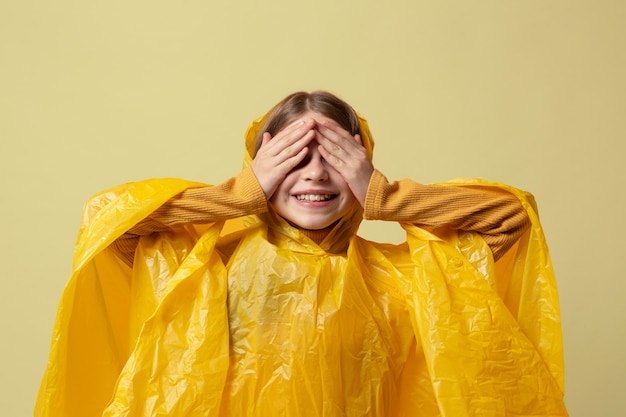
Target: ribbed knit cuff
column 249, row 182
column 375, row 196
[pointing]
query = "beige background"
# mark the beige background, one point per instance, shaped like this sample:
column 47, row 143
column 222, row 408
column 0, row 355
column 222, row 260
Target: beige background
column 530, row 93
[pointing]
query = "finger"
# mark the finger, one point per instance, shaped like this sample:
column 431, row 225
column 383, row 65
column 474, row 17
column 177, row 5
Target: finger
column 295, row 130
column 333, row 131
column 266, row 138
column 288, row 141
column 290, row 163
column 348, row 156
column 339, row 139
column 288, row 149
column 332, row 158
column 344, row 149
column 330, row 137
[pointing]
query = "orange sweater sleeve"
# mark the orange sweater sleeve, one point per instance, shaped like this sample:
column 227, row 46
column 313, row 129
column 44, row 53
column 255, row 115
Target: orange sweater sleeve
column 496, row 215
column 239, row 196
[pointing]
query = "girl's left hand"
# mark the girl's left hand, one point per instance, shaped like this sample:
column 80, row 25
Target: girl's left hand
column 347, row 155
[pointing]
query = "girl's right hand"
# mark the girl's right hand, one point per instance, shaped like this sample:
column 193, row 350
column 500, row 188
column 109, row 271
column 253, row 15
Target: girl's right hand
column 278, row 155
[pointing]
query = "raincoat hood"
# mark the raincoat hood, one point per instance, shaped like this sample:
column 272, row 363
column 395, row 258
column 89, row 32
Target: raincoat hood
column 337, row 240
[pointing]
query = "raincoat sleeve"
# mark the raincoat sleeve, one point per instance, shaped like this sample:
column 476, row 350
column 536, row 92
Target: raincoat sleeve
column 494, row 213
column 92, row 333
column 108, row 299
column 491, row 332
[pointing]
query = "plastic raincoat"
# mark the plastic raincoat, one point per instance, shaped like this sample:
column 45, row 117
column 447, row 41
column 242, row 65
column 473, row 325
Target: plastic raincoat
column 253, row 318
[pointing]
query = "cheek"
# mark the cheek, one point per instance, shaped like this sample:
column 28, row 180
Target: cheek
column 282, row 191
column 349, row 200
column 339, row 181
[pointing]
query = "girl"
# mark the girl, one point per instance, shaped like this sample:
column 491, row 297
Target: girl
column 257, row 297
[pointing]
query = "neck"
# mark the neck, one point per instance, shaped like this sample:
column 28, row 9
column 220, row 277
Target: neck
column 317, row 236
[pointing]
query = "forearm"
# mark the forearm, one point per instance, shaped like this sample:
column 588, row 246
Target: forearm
column 497, row 215
column 237, row 197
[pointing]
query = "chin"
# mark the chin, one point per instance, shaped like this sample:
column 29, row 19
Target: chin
column 316, row 225
column 312, row 225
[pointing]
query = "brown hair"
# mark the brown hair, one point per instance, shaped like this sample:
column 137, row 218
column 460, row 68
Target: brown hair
column 299, row 103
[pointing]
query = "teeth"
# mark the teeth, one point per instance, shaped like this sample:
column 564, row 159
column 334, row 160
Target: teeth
column 313, row 197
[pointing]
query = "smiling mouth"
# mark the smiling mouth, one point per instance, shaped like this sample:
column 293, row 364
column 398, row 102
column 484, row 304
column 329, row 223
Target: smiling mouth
column 315, row 197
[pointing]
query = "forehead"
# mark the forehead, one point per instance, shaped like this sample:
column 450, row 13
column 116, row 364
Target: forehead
column 312, row 115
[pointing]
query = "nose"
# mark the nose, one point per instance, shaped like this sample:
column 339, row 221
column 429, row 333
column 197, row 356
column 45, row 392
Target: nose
column 315, row 169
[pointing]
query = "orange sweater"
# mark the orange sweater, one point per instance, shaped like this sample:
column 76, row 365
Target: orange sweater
column 497, row 216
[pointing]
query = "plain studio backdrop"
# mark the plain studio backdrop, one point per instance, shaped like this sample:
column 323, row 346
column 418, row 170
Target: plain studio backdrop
column 529, row 93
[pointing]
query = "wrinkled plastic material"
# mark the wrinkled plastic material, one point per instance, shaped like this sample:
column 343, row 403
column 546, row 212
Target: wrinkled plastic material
column 214, row 323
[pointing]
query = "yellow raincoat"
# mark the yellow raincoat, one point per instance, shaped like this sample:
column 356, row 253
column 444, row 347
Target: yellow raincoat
column 227, row 320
